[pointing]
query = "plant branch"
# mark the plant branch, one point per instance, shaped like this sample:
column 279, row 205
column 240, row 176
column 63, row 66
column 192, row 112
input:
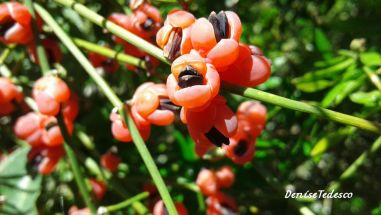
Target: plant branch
column 126, row 203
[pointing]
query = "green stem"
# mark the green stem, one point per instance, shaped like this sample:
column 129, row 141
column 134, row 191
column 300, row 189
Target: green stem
column 126, row 203
column 352, row 169
column 247, row 92
column 119, row 56
column 106, row 89
column 4, row 55
column 373, row 77
column 42, row 59
column 304, row 107
column 115, row 29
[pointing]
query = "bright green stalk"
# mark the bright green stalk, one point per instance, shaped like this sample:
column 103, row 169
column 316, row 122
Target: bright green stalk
column 107, row 52
column 115, row 29
column 352, row 169
column 304, row 107
column 106, row 89
column 247, row 92
column 373, row 77
column 4, row 55
column 41, row 56
column 126, row 203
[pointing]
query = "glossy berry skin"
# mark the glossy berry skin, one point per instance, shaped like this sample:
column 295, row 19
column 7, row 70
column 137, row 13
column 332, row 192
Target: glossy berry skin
column 44, row 159
column 221, row 204
column 210, row 126
column 99, row 188
column 9, row 96
column 75, row 211
column 174, row 36
column 15, row 23
column 207, row 182
column 152, row 103
column 241, row 148
column 252, row 117
column 146, row 19
column 50, row 92
column 249, row 69
column 120, row 130
column 110, row 161
column 159, row 209
column 99, row 61
column 193, row 83
column 225, row 176
column 52, row 51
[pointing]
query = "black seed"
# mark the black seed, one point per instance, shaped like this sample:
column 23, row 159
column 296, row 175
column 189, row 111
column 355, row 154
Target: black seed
column 35, row 162
column 166, row 104
column 6, row 25
column 172, row 48
column 50, row 125
column 189, row 77
column 216, row 137
column 148, row 25
column 241, row 148
column 220, row 25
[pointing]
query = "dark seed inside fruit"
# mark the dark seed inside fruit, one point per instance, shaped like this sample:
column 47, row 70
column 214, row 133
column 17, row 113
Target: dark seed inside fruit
column 6, row 25
column 220, row 25
column 147, row 25
column 50, row 125
column 35, row 162
column 189, row 77
column 172, row 48
column 241, row 148
column 216, row 137
column 166, row 104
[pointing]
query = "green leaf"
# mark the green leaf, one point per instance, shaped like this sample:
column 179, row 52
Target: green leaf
column 371, row 58
column 369, row 99
column 313, row 86
column 329, row 140
column 19, row 189
column 187, row 147
column 271, row 83
column 323, row 44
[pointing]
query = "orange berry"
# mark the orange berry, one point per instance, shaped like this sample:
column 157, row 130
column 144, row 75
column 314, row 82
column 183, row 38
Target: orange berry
column 110, row 161
column 225, row 176
column 99, row 188
column 207, row 182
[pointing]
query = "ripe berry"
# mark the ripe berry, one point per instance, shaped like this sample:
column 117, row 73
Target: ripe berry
column 52, row 51
column 225, row 176
column 44, row 159
column 9, row 96
column 50, row 92
column 252, row 117
column 241, row 148
column 207, row 182
column 211, row 126
column 110, row 161
column 28, row 128
column 99, row 188
column 15, row 23
column 146, row 19
column 159, row 209
column 193, row 83
column 75, row 211
column 99, row 61
column 221, row 204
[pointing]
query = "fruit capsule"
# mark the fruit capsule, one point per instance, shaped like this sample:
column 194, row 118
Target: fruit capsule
column 252, row 117
column 225, row 176
column 193, row 83
column 207, row 182
column 159, row 209
column 212, row 125
column 52, row 51
column 28, row 128
column 9, row 96
column 152, row 103
column 15, row 23
column 174, row 36
column 109, row 65
column 221, row 204
column 99, row 188
column 241, row 148
column 44, row 159
column 110, row 161
column 50, row 92
column 120, row 130
column 51, row 132
column 249, row 69
column 146, row 20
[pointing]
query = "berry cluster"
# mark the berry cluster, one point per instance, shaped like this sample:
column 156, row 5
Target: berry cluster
column 210, row 182
column 144, row 22
column 16, row 27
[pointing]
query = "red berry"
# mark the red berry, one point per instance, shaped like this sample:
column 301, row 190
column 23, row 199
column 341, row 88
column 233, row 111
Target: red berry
column 225, row 176
column 207, row 182
column 221, row 204
column 99, row 188
column 52, row 51
column 75, row 211
column 9, row 95
column 110, row 161
column 99, row 61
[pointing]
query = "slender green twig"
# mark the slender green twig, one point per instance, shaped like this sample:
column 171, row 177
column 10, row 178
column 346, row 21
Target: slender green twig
column 125, row 203
column 352, row 169
column 4, row 55
column 247, row 92
column 304, row 107
column 41, row 56
column 373, row 77
column 107, row 52
column 106, row 89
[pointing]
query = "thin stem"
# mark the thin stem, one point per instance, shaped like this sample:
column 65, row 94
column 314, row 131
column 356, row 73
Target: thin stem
column 304, row 107
column 4, row 55
column 373, row 77
column 126, row 203
column 41, row 56
column 115, row 29
column 352, row 169
column 107, row 52
column 106, row 89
